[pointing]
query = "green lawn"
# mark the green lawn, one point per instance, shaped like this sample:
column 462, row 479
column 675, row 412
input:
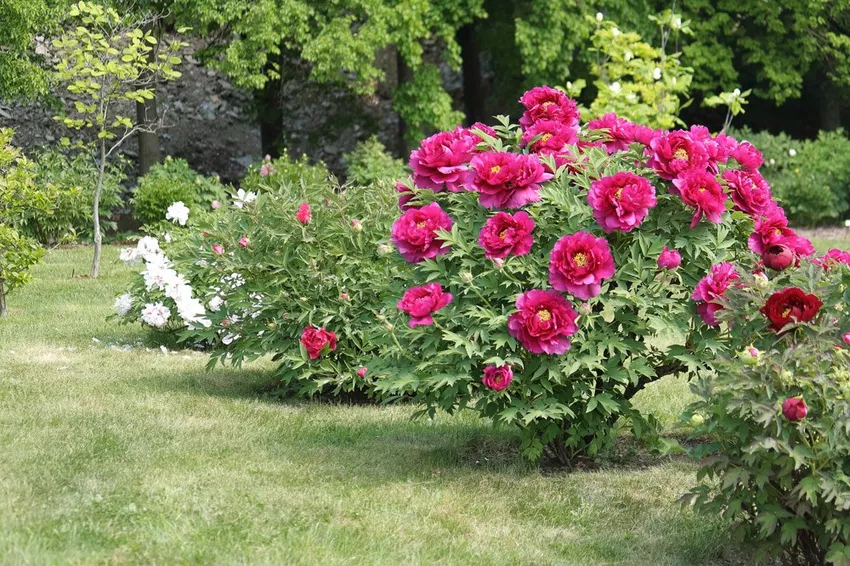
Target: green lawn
column 113, row 451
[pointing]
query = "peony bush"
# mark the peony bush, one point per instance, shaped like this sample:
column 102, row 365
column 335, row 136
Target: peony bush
column 560, row 267
column 773, row 421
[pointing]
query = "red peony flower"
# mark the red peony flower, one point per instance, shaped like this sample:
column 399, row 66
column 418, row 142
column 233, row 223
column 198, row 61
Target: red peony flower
column 675, row 152
column 440, row 161
column 317, row 340
column 553, row 137
column 795, row 409
column 547, row 103
column 621, row 201
column 304, row 215
column 579, row 263
column 774, row 230
column 415, row 232
column 507, row 180
column 669, row 259
column 779, row 257
column 421, row 302
column 700, row 189
column 750, row 192
column 711, row 289
column 497, row 378
column 619, row 132
column 544, row 323
column 748, row 156
column 505, row 234
column 790, row 305
column 832, row 258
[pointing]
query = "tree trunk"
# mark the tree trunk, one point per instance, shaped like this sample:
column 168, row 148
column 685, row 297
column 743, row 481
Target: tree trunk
column 404, row 74
column 270, row 111
column 98, row 237
column 3, row 311
column 830, row 107
column 147, row 116
column 473, row 98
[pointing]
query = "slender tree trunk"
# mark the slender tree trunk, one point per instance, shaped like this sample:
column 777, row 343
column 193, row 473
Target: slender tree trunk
column 830, row 107
column 270, row 111
column 98, row 237
column 3, row 311
column 473, row 97
column 147, row 116
column 404, row 74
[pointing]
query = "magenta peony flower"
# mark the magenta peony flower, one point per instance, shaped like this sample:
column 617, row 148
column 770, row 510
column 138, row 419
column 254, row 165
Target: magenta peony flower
column 218, row 249
column 497, row 378
column 421, row 302
column 507, row 180
column 317, row 340
column 669, row 259
column 846, row 338
column 484, row 128
column 504, row 234
column 547, row 103
column 699, row 189
column 404, row 195
column 554, row 137
column 415, row 232
column 832, row 258
column 795, row 409
column 675, row 152
column 774, row 231
column 362, row 372
column 644, row 134
column 304, row 215
column 440, row 161
column 621, row 201
column 711, row 288
column 748, row 156
column 243, row 242
column 620, row 133
column 544, row 323
column 579, row 263
column 750, row 192
column 779, row 257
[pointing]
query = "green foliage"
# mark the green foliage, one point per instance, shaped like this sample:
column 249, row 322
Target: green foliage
column 424, row 105
column 284, row 171
column 781, row 484
column 370, row 163
column 23, row 61
column 733, row 101
column 810, row 178
column 174, row 181
column 69, row 179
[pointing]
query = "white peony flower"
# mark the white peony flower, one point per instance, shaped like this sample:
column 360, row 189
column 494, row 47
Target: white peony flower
column 178, row 290
column 159, row 277
column 676, row 22
column 167, row 237
column 599, row 16
column 656, row 74
column 229, row 339
column 792, row 152
column 178, row 213
column 243, row 198
column 192, row 310
column 130, row 255
column 156, row 315
column 123, row 304
column 615, row 32
column 615, row 87
column 148, row 245
column 215, row 303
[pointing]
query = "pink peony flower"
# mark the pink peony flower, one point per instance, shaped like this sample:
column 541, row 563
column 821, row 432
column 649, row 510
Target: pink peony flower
column 316, row 340
column 750, row 192
column 644, row 134
column 553, row 137
column 846, row 338
column 832, row 258
column 621, row 201
column 748, row 156
column 218, row 249
column 404, row 195
column 675, row 152
column 421, row 302
column 504, row 234
column 484, row 128
column 507, row 180
column 547, row 103
column 415, row 232
column 243, row 241
column 362, row 372
column 266, row 169
column 712, row 288
column 774, row 231
column 669, row 259
column 215, row 205
column 620, row 133
column 440, row 161
column 795, row 409
column 497, row 378
column 304, row 215
column 544, row 323
column 579, row 263
column 700, row 190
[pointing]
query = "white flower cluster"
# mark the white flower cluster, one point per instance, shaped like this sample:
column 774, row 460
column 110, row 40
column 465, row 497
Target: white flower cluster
column 178, row 212
column 159, row 275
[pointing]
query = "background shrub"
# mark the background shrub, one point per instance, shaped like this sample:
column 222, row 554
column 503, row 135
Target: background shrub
column 172, row 181
column 370, row 163
column 284, row 172
column 71, row 180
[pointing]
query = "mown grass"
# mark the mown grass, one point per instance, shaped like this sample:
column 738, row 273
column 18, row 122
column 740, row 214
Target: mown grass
column 112, row 451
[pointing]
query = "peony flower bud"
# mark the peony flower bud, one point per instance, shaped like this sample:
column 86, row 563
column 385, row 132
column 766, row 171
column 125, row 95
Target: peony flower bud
column 584, row 309
column 779, row 257
column 243, row 241
column 356, row 225
column 344, row 297
column 466, row 277
column 761, row 281
column 216, row 205
column 499, row 262
column 384, row 249
column 218, row 249
column 795, row 409
column 697, row 420
column 669, row 259
column 846, row 338
column 749, row 356
column 362, row 372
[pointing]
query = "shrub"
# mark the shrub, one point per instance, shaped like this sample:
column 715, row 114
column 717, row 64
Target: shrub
column 72, row 179
column 370, row 163
column 174, row 181
column 278, row 274
column 810, row 178
column 627, row 235
column 773, row 424
column 284, row 172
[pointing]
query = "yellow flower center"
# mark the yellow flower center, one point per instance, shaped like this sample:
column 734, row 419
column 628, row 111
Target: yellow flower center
column 495, row 169
column 503, row 234
column 777, row 232
column 619, row 194
column 544, row 315
column 681, row 153
column 702, row 189
column 420, row 224
column 545, row 137
column 786, row 312
column 547, row 103
column 580, row 259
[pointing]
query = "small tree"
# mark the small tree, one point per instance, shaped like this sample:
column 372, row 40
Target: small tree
column 18, row 195
column 107, row 61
